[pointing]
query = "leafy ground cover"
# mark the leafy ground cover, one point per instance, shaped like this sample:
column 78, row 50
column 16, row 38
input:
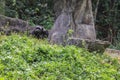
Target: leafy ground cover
column 26, row 58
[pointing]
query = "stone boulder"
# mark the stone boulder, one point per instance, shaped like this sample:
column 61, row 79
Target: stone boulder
column 12, row 25
column 8, row 25
column 113, row 53
column 91, row 45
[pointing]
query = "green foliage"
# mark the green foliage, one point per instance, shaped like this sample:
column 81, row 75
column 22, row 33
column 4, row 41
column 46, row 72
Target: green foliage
column 25, row 58
column 2, row 6
column 70, row 32
column 108, row 18
column 116, row 44
column 39, row 12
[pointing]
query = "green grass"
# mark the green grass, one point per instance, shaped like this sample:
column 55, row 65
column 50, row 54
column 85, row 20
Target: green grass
column 26, row 58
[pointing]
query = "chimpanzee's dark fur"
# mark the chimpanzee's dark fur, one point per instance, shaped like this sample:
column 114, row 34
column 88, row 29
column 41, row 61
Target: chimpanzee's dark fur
column 39, row 32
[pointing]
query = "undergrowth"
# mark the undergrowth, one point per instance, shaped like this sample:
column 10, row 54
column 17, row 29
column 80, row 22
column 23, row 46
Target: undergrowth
column 26, row 58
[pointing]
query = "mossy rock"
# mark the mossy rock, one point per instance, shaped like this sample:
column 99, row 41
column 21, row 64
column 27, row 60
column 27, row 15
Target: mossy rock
column 113, row 53
column 91, row 45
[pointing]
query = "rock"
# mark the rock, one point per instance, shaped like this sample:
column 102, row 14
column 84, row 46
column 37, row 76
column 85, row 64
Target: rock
column 113, row 53
column 91, row 45
column 8, row 25
column 12, row 25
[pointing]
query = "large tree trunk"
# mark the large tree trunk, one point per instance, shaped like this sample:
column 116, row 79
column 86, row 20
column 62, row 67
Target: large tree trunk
column 74, row 18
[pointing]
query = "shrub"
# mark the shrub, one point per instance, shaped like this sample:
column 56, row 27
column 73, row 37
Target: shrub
column 25, row 58
column 37, row 12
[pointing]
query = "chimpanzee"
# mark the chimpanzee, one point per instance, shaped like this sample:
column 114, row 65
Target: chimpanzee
column 39, row 32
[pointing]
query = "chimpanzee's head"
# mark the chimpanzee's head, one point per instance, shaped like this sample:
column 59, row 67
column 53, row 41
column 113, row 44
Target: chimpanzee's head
column 39, row 27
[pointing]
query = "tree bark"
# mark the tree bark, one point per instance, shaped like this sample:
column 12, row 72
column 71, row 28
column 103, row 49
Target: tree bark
column 74, row 18
column 96, row 10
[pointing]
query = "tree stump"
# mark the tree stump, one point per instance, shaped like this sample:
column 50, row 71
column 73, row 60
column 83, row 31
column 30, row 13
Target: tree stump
column 74, row 18
column 74, row 25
